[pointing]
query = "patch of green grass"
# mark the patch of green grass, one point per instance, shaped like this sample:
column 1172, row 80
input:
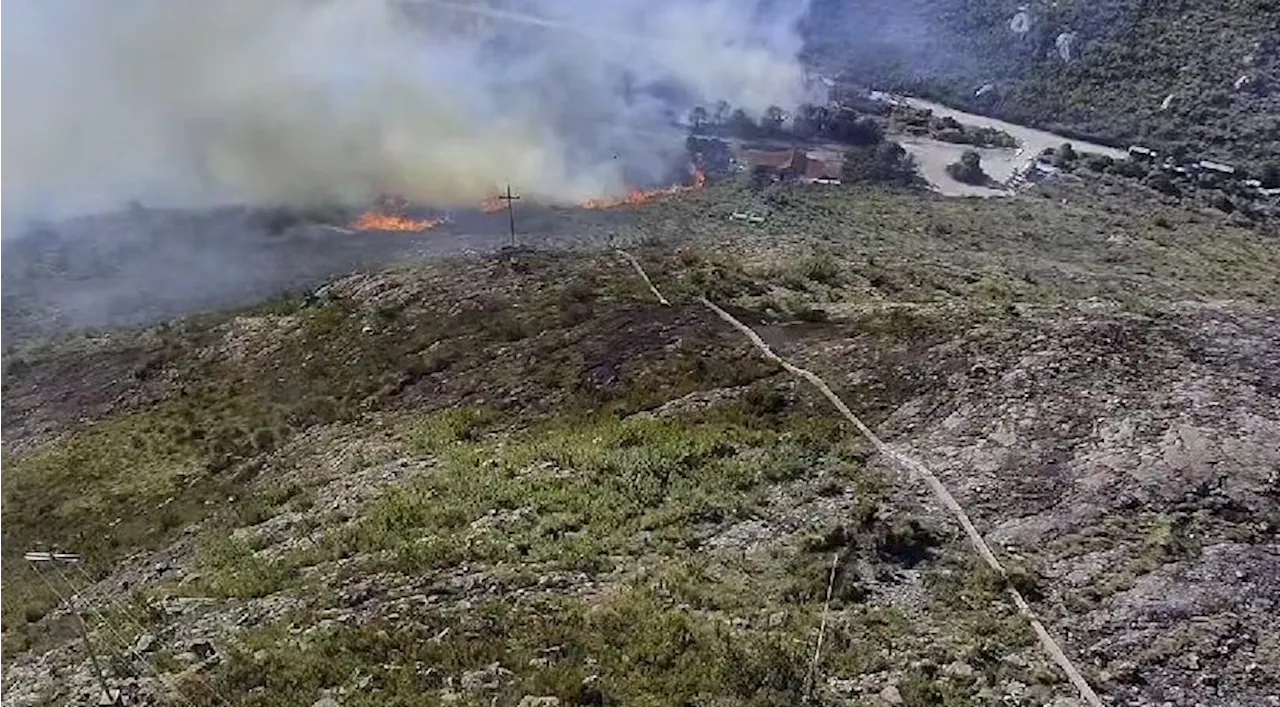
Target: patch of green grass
column 230, row 568
column 576, row 492
column 633, row 648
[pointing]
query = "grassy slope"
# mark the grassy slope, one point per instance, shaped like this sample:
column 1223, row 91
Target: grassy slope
column 540, row 521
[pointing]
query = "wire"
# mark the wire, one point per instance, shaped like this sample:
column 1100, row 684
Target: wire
column 138, row 656
column 920, row 471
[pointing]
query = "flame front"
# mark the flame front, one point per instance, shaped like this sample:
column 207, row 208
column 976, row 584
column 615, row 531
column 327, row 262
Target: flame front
column 492, row 204
column 373, row 220
column 387, row 214
column 639, row 196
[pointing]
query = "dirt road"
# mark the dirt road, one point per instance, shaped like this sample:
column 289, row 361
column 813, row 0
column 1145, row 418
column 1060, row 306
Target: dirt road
column 933, row 156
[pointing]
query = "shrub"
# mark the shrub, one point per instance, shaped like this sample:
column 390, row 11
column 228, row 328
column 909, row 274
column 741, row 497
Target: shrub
column 885, row 163
column 968, row 169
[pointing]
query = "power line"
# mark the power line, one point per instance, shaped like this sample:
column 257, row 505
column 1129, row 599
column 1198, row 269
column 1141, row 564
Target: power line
column 511, row 213
column 33, row 561
column 137, row 625
column 59, row 560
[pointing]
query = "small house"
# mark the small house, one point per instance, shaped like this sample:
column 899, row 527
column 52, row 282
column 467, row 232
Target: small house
column 1216, row 167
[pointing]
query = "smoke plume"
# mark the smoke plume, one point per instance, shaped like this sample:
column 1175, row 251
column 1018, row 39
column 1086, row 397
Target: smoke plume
column 194, row 103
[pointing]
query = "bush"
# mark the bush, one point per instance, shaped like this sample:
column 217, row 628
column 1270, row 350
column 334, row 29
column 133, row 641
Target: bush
column 968, row 169
column 1161, row 183
column 885, row 163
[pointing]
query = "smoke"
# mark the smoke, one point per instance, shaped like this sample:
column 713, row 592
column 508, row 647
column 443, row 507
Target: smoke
column 194, row 103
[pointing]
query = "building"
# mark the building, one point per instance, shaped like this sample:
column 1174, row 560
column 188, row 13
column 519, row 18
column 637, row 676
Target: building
column 1218, row 167
column 792, row 165
column 1138, row 152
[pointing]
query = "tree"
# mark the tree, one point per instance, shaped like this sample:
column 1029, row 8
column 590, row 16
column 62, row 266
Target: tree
column 761, row 176
column 741, row 125
column 1065, row 155
column 698, row 117
column 811, row 120
column 708, row 153
column 720, row 113
column 884, row 163
column 773, row 119
column 968, row 169
column 856, row 130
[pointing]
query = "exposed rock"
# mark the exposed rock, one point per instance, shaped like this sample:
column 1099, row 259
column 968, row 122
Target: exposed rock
column 890, row 696
column 532, row 701
column 960, row 670
column 144, row 644
column 489, row 678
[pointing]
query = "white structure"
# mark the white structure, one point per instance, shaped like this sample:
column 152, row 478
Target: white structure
column 1021, row 22
column 1065, row 44
column 1216, row 167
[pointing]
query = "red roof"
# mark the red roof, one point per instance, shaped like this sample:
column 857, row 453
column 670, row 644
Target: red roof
column 778, row 159
column 817, row 169
column 796, row 162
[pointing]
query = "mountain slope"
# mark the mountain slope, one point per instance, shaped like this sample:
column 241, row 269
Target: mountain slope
column 1124, row 59
column 519, row 476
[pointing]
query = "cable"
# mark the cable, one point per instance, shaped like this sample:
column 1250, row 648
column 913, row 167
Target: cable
column 920, row 471
column 136, row 625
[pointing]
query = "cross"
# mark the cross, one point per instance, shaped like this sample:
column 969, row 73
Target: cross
column 511, row 213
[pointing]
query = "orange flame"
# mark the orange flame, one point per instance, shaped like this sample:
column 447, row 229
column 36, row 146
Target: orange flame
column 374, row 220
column 387, row 214
column 640, row 196
column 492, row 204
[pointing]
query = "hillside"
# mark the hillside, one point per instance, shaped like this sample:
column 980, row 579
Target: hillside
column 518, row 478
column 1219, row 61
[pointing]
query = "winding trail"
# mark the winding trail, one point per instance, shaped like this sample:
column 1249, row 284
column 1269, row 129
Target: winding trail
column 915, row 469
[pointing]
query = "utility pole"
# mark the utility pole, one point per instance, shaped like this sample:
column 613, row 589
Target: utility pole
column 55, row 559
column 511, row 212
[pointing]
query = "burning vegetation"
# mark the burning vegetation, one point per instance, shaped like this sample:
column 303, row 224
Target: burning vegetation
column 388, row 214
column 373, row 220
column 640, row 196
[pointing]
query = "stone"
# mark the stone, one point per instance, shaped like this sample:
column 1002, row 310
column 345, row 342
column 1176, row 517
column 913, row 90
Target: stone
column 536, row 701
column 326, row 702
column 890, row 696
column 959, row 669
column 488, row 678
column 202, row 648
column 144, row 643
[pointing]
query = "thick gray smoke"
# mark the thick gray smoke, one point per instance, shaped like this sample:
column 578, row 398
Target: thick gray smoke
column 195, row 102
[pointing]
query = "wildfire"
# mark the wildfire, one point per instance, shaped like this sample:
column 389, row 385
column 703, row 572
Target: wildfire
column 492, row 204
column 639, row 196
column 373, row 220
column 387, row 214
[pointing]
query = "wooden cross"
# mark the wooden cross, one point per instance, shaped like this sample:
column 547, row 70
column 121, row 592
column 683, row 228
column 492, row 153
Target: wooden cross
column 511, row 212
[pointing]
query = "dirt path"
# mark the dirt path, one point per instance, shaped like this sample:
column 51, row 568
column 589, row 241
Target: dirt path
column 933, row 156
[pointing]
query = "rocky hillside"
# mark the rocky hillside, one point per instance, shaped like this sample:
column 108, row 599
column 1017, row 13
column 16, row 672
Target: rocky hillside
column 518, row 479
column 1201, row 77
